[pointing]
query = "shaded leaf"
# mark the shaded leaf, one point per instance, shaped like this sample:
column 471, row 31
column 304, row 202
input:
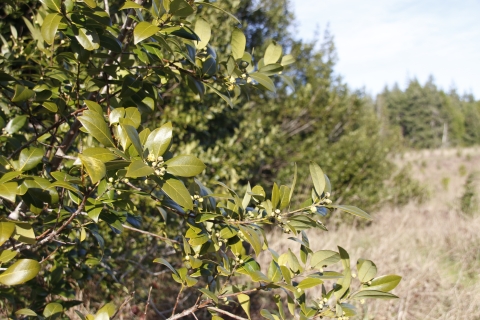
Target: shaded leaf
column 244, row 301
column 144, row 30
column 22, row 94
column 263, row 80
column 177, row 191
column 366, row 270
column 238, row 43
column 6, row 231
column 273, row 53
column 15, row 124
column 29, row 158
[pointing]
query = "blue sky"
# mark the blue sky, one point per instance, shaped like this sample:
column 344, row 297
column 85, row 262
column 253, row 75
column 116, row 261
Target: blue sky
column 390, row 41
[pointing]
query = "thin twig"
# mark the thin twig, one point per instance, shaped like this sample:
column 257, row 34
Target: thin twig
column 176, row 302
column 148, row 301
column 125, row 302
column 149, row 233
column 226, row 313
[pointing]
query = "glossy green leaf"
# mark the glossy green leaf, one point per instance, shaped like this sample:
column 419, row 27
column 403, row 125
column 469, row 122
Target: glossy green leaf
column 266, row 314
column 366, row 270
column 7, row 255
column 52, row 308
column 138, row 169
column 167, row 264
column 15, row 124
column 209, row 294
column 271, row 69
column 177, row 191
column 24, row 233
column 274, row 272
column 101, row 154
column 309, row 283
column 131, row 5
column 253, row 238
column 273, row 53
column 22, row 94
column 318, row 178
column 8, row 191
column 93, row 106
column 204, row 32
column 25, row 312
column 383, row 283
column 287, row 59
column 9, row 176
column 373, row 294
column 185, row 166
column 64, row 185
column 181, row 8
column 238, row 43
column 6, row 231
column 144, row 30
column 97, row 127
column 54, row 5
column 324, row 258
column 20, row 272
column 50, row 26
column 352, row 210
column 159, row 140
column 91, row 3
column 88, row 39
column 263, row 80
column 244, row 301
column 29, row 158
column 50, row 106
column 134, row 138
column 95, row 168
column 221, row 95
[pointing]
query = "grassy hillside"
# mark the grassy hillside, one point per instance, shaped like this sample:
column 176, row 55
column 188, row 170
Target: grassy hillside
column 434, row 246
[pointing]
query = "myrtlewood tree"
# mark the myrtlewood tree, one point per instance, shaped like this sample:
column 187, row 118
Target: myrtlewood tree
column 80, row 166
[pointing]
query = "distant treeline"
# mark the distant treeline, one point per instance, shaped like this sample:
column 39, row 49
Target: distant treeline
column 428, row 117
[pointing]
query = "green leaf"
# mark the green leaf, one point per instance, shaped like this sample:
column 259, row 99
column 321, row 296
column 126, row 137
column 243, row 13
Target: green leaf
column 287, row 59
column 266, row 314
column 159, row 140
column 101, row 154
column 209, row 294
column 309, row 283
column 20, row 272
column 263, row 80
column 91, row 3
column 318, row 178
column 52, row 308
column 352, row 210
column 97, row 127
column 15, row 124
column 50, row 26
column 88, row 39
column 93, row 106
column 138, row 169
column 7, row 255
column 253, row 238
column 95, row 168
column 144, row 30
column 22, row 94
column 177, row 191
column 24, row 233
column 50, row 106
column 167, row 264
column 383, row 283
column 221, row 95
column 274, row 272
column 8, row 191
column 238, row 43
column 204, row 32
column 134, row 138
column 29, row 158
column 185, row 166
column 54, row 5
column 9, row 176
column 6, row 231
column 131, row 5
column 180, row 8
column 273, row 53
column 373, row 294
column 108, row 308
column 324, row 258
column 244, row 301
column 271, row 69
column 366, row 270
column 65, row 185
column 25, row 312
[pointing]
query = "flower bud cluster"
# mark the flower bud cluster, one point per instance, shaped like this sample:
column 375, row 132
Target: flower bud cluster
column 157, row 164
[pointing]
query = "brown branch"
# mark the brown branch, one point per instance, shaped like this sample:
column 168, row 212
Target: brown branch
column 178, row 299
column 185, row 313
column 127, row 300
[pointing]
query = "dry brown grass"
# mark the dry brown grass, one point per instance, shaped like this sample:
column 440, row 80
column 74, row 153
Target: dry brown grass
column 433, row 246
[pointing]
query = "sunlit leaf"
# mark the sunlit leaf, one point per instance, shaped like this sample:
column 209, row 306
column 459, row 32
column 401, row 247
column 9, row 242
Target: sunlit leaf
column 20, row 272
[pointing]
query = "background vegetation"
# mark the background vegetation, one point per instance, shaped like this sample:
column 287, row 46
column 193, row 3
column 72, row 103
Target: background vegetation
column 312, row 116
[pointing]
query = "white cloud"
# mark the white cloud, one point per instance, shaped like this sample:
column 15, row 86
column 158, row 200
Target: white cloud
column 383, row 42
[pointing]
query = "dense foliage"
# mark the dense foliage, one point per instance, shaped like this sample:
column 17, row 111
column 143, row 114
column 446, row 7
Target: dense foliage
column 428, row 117
column 97, row 188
